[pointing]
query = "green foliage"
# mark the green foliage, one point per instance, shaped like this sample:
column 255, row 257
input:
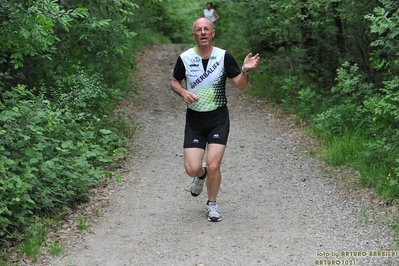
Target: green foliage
column 385, row 23
column 339, row 119
column 389, row 188
column 123, row 126
column 344, row 150
column 28, row 28
column 50, row 157
column 97, row 213
column 82, row 223
column 395, row 224
column 33, row 241
column 64, row 64
column 350, row 86
column 309, row 102
column 84, row 91
column 333, row 62
column 384, row 108
column 169, row 18
column 55, row 248
column 63, row 67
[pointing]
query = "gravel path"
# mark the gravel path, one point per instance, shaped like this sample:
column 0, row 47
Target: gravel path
column 278, row 206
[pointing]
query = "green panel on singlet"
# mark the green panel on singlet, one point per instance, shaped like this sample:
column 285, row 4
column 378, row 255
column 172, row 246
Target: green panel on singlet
column 206, row 101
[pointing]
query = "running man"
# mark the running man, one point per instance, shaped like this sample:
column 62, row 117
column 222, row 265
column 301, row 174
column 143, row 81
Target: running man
column 205, row 69
column 210, row 13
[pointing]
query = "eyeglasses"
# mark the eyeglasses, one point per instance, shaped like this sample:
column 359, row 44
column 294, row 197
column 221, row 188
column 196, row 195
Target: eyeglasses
column 206, row 30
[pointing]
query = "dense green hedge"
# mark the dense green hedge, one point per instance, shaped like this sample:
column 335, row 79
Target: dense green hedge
column 49, row 157
column 334, row 63
column 63, row 67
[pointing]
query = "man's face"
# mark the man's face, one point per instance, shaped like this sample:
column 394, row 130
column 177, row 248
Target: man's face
column 208, row 6
column 203, row 32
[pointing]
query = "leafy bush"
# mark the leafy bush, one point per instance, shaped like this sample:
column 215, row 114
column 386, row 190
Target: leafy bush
column 339, row 119
column 63, row 67
column 385, row 124
column 350, row 86
column 84, row 91
column 384, row 21
column 384, row 108
column 309, row 102
column 50, row 157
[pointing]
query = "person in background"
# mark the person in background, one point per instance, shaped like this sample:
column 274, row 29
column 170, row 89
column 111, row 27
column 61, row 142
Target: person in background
column 210, row 13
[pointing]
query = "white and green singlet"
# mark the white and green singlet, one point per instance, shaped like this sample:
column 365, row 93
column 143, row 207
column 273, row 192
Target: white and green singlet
column 206, row 77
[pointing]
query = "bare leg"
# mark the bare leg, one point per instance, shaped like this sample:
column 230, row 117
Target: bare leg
column 213, row 162
column 193, row 161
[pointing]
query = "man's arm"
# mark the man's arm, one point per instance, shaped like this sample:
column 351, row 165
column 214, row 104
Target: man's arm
column 177, row 87
column 250, row 62
column 241, row 81
column 179, row 74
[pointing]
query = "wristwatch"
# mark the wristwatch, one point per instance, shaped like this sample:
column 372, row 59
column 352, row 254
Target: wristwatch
column 242, row 70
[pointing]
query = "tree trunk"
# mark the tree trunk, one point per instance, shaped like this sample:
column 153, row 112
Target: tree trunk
column 306, row 32
column 340, row 30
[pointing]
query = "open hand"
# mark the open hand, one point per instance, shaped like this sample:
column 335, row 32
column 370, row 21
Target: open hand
column 251, row 62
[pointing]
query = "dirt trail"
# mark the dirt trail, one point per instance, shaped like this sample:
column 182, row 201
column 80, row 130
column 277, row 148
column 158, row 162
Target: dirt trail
column 278, row 207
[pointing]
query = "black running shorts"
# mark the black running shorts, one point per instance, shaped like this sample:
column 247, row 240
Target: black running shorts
column 206, row 127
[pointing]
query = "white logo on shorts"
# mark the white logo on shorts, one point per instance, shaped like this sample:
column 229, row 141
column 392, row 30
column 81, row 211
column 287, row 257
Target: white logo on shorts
column 216, row 136
column 195, row 141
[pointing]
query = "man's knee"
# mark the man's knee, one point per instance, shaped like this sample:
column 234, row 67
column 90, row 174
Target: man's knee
column 193, row 160
column 192, row 170
column 213, row 167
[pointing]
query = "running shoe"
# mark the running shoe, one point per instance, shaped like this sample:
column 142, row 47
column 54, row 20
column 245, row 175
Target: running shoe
column 197, row 185
column 213, row 212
